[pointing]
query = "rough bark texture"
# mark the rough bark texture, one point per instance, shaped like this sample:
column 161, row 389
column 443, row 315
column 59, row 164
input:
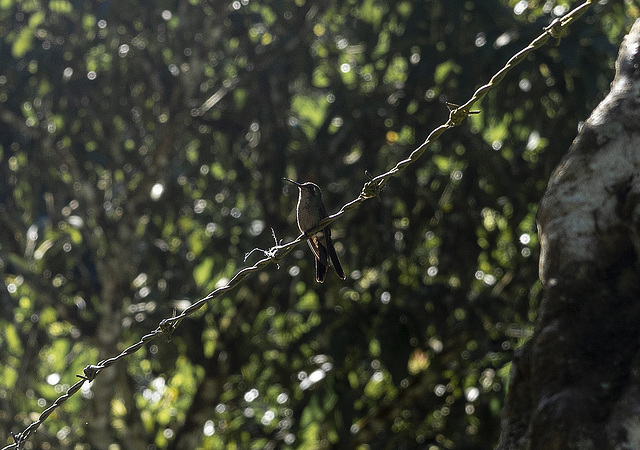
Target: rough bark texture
column 576, row 383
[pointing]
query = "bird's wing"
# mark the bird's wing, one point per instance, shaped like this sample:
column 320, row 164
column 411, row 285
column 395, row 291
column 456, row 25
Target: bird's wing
column 318, row 247
column 320, row 252
column 332, row 254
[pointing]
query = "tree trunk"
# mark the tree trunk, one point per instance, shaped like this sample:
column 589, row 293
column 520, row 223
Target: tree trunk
column 576, row 383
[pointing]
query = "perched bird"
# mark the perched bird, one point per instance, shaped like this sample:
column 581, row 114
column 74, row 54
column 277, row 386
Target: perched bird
column 310, row 211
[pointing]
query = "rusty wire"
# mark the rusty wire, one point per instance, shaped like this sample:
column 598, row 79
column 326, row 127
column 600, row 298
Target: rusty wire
column 371, row 189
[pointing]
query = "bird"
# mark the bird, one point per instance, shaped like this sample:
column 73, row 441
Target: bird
column 310, row 212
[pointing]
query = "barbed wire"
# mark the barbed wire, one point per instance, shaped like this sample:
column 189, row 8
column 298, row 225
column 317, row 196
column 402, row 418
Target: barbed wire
column 371, row 189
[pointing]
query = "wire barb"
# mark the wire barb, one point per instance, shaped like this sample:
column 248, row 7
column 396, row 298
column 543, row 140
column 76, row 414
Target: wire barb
column 17, row 438
column 167, row 326
column 457, row 113
column 272, row 253
column 554, row 29
column 371, row 189
column 90, row 372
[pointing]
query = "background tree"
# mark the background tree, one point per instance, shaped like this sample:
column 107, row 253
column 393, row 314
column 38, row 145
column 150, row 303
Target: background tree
column 573, row 384
column 142, row 146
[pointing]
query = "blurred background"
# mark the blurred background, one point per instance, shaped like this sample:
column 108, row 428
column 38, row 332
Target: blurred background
column 142, row 150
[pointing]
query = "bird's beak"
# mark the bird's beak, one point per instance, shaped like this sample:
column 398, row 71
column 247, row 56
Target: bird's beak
column 291, row 181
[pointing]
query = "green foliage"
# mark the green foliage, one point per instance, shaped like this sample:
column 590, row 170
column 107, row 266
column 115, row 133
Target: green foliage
column 124, row 197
